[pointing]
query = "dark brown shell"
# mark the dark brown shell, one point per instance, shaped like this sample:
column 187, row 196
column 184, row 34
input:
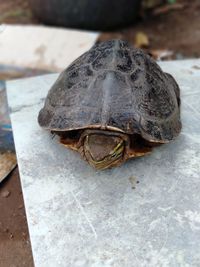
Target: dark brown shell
column 114, row 86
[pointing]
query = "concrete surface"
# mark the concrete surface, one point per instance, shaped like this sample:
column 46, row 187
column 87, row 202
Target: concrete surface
column 42, row 47
column 81, row 217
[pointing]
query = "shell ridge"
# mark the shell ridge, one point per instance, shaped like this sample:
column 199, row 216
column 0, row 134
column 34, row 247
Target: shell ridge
column 123, row 89
column 106, row 97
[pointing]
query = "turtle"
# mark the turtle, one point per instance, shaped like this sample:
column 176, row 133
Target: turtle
column 111, row 104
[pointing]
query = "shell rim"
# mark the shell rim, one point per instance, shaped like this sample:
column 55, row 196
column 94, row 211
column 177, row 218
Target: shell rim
column 110, row 128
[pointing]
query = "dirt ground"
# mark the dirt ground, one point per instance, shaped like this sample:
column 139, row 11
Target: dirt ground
column 16, row 11
column 15, row 248
column 175, row 30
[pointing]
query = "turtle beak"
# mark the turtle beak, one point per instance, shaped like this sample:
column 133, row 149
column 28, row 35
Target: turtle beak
column 102, row 157
column 113, row 159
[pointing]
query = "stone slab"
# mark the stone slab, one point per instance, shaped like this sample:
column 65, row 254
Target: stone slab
column 81, row 217
column 42, row 47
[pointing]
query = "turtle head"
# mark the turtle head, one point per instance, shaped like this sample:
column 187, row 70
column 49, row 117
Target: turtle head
column 103, row 150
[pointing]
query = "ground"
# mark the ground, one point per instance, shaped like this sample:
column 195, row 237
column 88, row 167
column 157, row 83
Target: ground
column 15, row 248
column 177, row 30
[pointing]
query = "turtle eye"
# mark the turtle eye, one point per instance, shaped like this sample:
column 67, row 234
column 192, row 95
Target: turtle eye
column 113, row 155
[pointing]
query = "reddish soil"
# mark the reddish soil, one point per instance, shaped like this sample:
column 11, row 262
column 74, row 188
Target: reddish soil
column 177, row 30
column 15, row 248
column 16, row 11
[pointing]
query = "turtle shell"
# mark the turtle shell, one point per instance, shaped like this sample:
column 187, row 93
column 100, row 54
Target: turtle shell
column 114, row 86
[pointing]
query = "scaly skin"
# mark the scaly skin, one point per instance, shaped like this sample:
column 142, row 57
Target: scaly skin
column 105, row 149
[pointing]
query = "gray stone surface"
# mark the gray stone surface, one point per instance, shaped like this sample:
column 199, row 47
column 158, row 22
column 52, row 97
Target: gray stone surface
column 81, row 217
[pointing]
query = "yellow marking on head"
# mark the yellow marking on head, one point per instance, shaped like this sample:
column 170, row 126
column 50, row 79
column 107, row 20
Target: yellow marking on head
column 112, row 157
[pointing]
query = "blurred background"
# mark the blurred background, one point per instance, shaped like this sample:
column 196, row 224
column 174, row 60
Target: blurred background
column 158, row 25
column 165, row 29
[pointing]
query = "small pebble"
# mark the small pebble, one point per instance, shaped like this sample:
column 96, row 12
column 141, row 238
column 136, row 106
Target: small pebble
column 5, row 193
column 196, row 67
column 133, row 181
column 11, row 236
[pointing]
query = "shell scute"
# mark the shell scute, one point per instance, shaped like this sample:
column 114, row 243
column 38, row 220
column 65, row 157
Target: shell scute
column 114, row 85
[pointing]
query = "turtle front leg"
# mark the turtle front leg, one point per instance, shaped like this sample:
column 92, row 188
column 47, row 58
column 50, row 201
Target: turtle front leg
column 138, row 147
column 134, row 152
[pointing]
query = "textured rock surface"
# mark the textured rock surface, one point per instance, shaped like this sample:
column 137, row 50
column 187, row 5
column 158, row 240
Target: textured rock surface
column 79, row 217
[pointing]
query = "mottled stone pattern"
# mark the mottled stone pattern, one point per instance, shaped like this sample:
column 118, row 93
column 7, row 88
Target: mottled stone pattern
column 114, row 85
column 81, row 217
